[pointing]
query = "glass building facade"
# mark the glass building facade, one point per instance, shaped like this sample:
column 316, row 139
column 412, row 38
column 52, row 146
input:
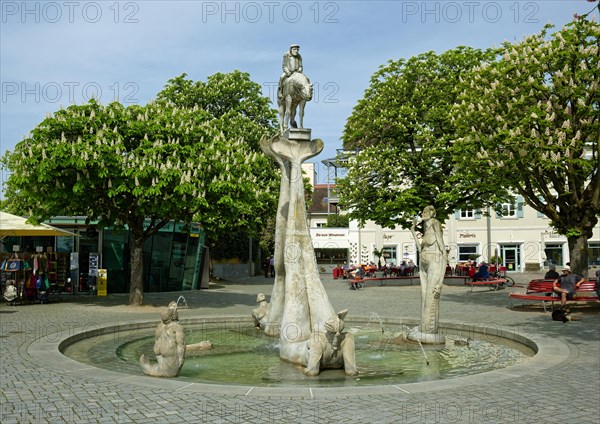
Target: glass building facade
column 173, row 257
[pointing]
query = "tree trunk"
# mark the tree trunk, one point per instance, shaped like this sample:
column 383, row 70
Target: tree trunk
column 578, row 254
column 136, row 290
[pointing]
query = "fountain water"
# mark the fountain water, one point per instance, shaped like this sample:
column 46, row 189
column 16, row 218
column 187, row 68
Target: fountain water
column 375, row 317
column 244, row 355
column 184, row 301
column 423, row 350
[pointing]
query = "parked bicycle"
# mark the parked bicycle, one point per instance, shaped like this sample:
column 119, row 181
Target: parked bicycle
column 498, row 274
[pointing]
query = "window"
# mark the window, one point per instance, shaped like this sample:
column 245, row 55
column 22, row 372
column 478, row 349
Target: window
column 467, row 214
column 331, row 256
column 509, row 210
column 390, row 254
column 554, row 254
column 320, row 224
column 512, row 210
column 467, row 251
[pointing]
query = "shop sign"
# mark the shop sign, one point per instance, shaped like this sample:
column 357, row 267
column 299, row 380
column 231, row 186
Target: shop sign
column 551, row 234
column 322, row 236
column 466, row 235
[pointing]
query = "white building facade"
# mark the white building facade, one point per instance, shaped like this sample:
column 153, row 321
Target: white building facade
column 522, row 238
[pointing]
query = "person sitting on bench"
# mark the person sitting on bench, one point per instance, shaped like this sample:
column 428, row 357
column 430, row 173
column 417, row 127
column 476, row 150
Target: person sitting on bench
column 483, row 273
column 358, row 276
column 569, row 283
column 551, row 274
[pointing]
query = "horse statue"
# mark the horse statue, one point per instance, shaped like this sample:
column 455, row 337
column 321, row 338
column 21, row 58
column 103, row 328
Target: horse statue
column 296, row 90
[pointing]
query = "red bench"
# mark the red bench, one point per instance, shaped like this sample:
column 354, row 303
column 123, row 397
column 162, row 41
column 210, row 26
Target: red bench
column 356, row 283
column 542, row 291
column 383, row 280
column 493, row 284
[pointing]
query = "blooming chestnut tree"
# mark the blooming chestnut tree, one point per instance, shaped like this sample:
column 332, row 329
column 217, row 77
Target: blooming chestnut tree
column 234, row 101
column 137, row 166
column 533, row 116
column 403, row 134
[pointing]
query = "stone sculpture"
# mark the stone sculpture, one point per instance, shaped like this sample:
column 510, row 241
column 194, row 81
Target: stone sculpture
column 331, row 348
column 260, row 314
column 169, row 346
column 300, row 312
column 432, row 268
column 292, row 62
column 294, row 90
column 195, row 348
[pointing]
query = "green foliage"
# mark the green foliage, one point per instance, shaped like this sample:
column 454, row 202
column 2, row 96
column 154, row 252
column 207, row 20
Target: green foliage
column 267, row 235
column 233, row 100
column 338, row 221
column 404, row 135
column 378, row 253
column 162, row 161
column 237, row 109
column 532, row 115
column 120, row 165
column 233, row 245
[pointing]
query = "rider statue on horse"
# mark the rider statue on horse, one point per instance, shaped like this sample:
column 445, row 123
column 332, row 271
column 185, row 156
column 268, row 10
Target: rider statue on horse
column 294, row 89
column 292, row 62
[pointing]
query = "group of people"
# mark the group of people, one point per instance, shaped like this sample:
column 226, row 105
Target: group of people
column 346, row 271
column 405, row 268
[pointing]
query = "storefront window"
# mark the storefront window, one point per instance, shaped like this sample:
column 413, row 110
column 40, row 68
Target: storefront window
column 170, row 261
column 192, row 263
column 158, row 251
column 390, row 254
column 554, row 254
column 466, row 252
column 115, row 252
column 177, row 265
column 331, row 256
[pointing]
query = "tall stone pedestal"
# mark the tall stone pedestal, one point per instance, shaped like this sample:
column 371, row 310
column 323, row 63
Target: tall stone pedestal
column 300, row 311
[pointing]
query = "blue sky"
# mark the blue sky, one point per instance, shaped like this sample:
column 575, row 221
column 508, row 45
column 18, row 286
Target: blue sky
column 56, row 53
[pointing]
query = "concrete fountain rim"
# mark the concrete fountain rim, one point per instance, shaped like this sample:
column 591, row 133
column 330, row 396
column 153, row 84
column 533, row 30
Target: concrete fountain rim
column 549, row 352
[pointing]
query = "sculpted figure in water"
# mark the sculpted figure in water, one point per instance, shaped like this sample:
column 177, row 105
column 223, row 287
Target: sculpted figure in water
column 169, row 346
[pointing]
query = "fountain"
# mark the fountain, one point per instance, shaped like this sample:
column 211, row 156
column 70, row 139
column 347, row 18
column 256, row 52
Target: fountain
column 300, row 323
column 245, row 356
column 310, row 332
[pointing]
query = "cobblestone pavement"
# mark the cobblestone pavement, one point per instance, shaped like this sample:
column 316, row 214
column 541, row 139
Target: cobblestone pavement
column 36, row 387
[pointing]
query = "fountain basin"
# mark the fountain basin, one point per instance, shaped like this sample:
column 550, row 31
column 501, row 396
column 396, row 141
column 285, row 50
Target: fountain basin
column 245, row 357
